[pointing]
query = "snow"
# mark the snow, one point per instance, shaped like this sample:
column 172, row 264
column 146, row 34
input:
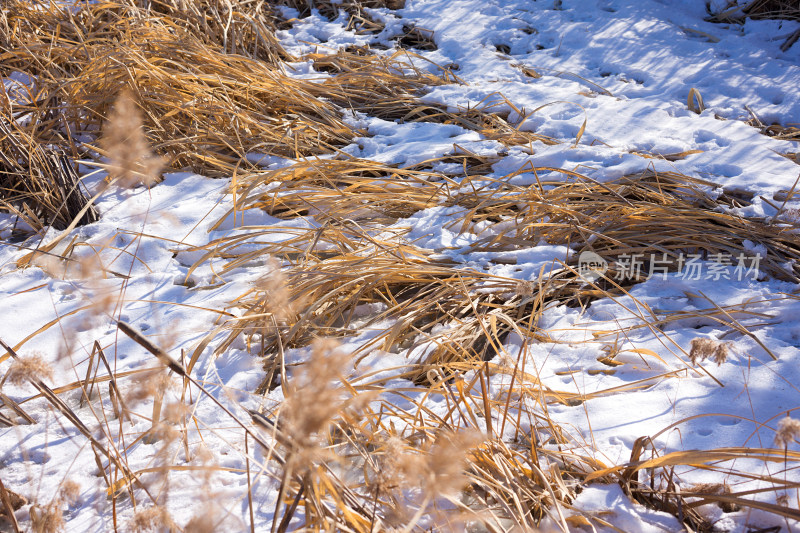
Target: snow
column 610, row 503
column 625, row 67
column 413, row 143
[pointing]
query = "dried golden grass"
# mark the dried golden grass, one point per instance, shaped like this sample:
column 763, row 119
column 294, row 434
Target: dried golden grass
column 784, row 9
column 648, row 213
column 206, row 105
column 456, row 320
column 204, row 109
column 331, row 8
column 326, row 189
column 348, row 262
column 231, row 27
column 38, row 183
column 398, row 476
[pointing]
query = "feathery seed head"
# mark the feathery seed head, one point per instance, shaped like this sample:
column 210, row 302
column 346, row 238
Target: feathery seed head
column 29, row 368
column 129, row 154
column 788, row 431
column 703, row 348
column 70, row 492
column 316, row 394
column 152, row 519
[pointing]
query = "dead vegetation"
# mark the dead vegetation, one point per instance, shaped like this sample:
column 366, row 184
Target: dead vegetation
column 39, row 183
column 738, row 10
column 774, row 9
column 207, row 99
column 331, row 9
column 346, row 451
column 457, row 321
column 205, row 104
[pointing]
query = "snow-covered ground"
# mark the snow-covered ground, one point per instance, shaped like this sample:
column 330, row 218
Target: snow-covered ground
column 625, row 68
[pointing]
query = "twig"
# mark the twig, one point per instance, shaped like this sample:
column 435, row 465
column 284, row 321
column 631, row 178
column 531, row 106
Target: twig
column 790, row 40
column 6, row 500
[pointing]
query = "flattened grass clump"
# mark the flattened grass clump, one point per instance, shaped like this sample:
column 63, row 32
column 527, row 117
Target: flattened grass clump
column 205, row 106
column 326, row 189
column 331, row 8
column 448, row 315
column 649, row 214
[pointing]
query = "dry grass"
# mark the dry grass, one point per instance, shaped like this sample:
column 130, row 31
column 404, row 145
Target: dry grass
column 737, row 11
column 204, row 109
column 757, row 9
column 205, row 105
column 24, row 369
column 195, row 99
column 124, row 143
column 331, row 9
column 38, row 183
column 239, row 28
column 346, row 451
column 458, row 320
column 348, row 262
column 785, row 9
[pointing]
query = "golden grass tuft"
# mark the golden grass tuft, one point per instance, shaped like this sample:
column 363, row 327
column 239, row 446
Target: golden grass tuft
column 315, row 396
column 70, row 492
column 49, row 519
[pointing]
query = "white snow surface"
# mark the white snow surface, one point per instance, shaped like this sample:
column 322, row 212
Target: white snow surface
column 625, row 67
